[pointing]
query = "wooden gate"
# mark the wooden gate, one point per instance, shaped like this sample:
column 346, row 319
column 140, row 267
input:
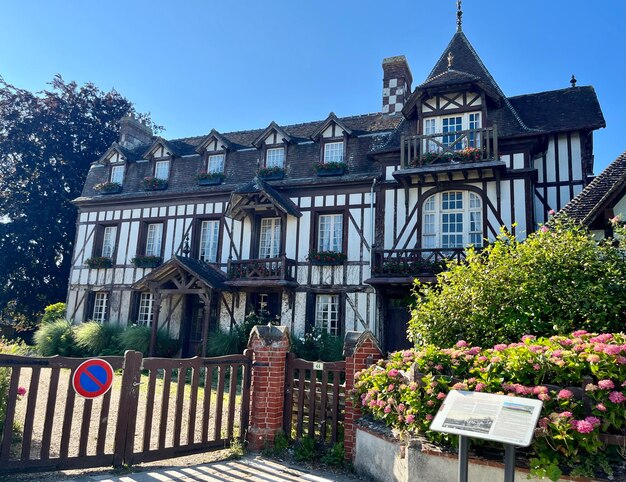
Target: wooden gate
column 157, row 408
column 314, row 399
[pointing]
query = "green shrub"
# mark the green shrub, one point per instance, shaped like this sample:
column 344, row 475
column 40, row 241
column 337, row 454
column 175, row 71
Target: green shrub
column 138, row 338
column 335, row 455
column 56, row 338
column 305, row 450
column 235, row 341
column 53, row 312
column 556, row 281
column 318, row 345
column 98, row 339
column 7, row 348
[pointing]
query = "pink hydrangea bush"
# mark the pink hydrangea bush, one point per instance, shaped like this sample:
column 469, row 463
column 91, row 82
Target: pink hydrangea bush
column 544, row 368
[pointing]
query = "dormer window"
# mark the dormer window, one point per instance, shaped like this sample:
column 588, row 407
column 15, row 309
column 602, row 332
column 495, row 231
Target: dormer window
column 117, row 174
column 333, row 152
column 275, row 157
column 215, row 163
column 162, row 170
column 447, row 126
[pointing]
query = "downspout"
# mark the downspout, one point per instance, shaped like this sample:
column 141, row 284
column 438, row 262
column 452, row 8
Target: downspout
column 372, row 226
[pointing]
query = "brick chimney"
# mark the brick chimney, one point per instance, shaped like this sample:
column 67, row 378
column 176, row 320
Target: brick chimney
column 134, row 132
column 397, row 80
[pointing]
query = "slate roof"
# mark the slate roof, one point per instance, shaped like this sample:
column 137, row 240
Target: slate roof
column 599, row 193
column 209, row 275
column 259, row 186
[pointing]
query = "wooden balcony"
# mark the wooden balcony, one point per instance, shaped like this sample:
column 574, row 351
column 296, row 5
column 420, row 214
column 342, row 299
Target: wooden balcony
column 452, row 148
column 400, row 266
column 262, row 272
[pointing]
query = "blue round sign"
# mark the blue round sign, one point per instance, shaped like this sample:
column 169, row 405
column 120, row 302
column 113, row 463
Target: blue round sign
column 93, row 378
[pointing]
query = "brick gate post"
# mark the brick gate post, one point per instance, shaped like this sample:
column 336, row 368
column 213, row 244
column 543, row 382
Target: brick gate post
column 358, row 348
column 271, row 345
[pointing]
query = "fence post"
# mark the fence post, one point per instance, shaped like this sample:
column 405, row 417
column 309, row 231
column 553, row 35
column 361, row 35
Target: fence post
column 360, row 350
column 127, row 410
column 270, row 345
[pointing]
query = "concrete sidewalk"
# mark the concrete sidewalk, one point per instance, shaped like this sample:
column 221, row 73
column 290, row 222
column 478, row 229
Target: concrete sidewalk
column 249, row 469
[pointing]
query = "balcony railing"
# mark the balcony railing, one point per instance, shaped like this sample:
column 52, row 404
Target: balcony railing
column 473, row 145
column 281, row 268
column 413, row 262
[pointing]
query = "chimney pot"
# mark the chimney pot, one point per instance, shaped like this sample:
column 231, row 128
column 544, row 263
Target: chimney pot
column 134, row 132
column 397, row 80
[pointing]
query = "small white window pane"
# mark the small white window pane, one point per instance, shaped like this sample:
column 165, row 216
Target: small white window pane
column 209, row 236
column 269, row 242
column 100, row 307
column 146, row 304
column 154, row 239
column 452, row 124
column 162, row 170
column 275, row 157
column 216, row 163
column 330, row 235
column 108, row 241
column 327, row 313
column 429, row 205
column 117, row 174
column 333, row 152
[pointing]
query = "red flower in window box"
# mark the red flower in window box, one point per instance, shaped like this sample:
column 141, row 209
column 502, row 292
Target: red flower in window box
column 326, row 258
column 152, row 183
column 108, row 187
column 98, row 262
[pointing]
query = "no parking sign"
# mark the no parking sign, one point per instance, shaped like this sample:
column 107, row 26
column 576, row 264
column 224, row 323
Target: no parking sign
column 93, row 378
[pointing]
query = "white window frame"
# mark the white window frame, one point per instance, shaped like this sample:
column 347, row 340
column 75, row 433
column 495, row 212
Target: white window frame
column 215, row 163
column 100, row 304
column 146, row 309
column 330, row 232
column 109, row 239
column 275, row 157
column 162, row 170
column 327, row 313
column 440, row 220
column 333, row 152
column 117, row 174
column 209, row 240
column 269, row 238
column 154, row 239
column 435, row 125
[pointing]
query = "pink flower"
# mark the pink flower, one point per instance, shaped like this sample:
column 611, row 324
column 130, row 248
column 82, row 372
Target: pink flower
column 388, row 409
column 582, row 426
column 540, row 389
column 590, row 387
column 601, row 407
column 566, row 414
column 430, row 403
column 401, row 407
column 593, row 358
column 536, row 367
column 500, row 347
column 429, row 417
column 439, row 367
column 528, row 337
column 480, row 387
column 461, row 344
column 544, row 229
column 595, row 421
column 544, row 397
column 373, row 403
column 617, row 397
column 606, row 384
column 391, row 387
column 564, row 394
column 381, row 403
column 413, row 386
column 551, row 212
column 410, row 418
column 580, row 333
column 459, row 386
column 393, row 373
column 496, row 359
column 21, row 391
column 612, row 349
column 543, row 422
column 441, row 396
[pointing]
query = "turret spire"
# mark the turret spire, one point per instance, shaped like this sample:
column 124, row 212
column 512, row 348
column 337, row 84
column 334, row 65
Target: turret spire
column 459, row 16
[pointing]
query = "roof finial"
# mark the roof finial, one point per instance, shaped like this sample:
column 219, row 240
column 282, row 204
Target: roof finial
column 450, row 59
column 459, row 16
column 573, row 81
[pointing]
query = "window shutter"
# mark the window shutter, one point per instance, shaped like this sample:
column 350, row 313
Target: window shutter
column 134, row 306
column 309, row 322
column 89, row 301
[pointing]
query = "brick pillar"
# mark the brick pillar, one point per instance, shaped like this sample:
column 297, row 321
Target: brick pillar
column 360, row 349
column 270, row 345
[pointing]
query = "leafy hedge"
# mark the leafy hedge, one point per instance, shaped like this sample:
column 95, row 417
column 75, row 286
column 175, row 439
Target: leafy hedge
column 8, row 348
column 568, row 435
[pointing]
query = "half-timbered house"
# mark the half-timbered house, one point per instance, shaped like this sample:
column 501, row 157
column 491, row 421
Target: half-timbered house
column 324, row 224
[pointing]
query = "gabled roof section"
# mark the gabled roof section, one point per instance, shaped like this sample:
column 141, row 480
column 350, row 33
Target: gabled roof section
column 332, row 118
column 600, row 194
column 160, row 142
column 126, row 154
column 210, row 276
column 273, row 127
column 213, row 135
column 258, row 192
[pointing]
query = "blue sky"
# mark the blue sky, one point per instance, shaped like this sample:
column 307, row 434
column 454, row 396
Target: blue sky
column 197, row 65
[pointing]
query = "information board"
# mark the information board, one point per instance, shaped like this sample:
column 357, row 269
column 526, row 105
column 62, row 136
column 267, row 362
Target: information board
column 510, row 420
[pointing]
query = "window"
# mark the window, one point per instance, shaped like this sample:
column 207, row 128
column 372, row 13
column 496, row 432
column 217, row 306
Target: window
column 162, row 170
column 474, row 123
column 449, row 125
column 327, row 313
column 146, row 306
column 154, row 238
column 275, row 157
column 333, row 152
column 209, row 237
column 269, row 238
column 452, row 124
column 330, row 233
column 452, row 219
column 117, row 174
column 430, row 128
column 216, row 163
column 109, row 235
column 100, row 302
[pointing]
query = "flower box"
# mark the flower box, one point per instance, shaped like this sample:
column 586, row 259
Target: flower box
column 330, row 168
column 326, row 258
column 146, row 261
column 108, row 187
column 98, row 262
column 271, row 173
column 151, row 183
column 210, row 178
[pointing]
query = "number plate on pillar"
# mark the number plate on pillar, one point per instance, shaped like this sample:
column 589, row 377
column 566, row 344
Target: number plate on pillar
column 318, row 365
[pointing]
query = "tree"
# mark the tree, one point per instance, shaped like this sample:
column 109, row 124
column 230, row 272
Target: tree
column 47, row 142
column 556, row 281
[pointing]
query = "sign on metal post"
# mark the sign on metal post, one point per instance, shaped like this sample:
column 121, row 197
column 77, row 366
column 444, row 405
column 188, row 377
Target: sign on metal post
column 499, row 418
column 93, row 378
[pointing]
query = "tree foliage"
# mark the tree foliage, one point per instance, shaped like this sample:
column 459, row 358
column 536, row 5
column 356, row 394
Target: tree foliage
column 556, row 281
column 47, row 142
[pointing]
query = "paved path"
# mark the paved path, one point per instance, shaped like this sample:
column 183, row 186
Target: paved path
column 249, row 469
